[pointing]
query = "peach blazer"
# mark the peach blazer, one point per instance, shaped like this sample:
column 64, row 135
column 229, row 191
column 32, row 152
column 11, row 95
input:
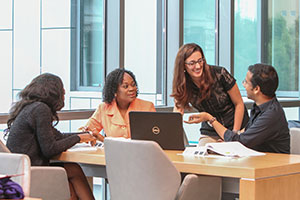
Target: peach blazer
column 108, row 118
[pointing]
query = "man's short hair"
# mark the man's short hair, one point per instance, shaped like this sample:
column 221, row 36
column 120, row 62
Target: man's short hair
column 265, row 76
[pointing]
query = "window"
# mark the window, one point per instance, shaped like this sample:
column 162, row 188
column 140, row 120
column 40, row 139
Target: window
column 88, row 45
column 144, row 47
column 246, row 45
column 268, row 32
column 199, row 26
column 282, row 43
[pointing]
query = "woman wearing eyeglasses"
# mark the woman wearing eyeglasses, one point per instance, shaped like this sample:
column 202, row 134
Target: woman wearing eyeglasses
column 207, row 88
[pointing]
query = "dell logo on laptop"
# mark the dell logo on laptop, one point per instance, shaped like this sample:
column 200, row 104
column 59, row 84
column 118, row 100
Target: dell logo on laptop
column 155, row 130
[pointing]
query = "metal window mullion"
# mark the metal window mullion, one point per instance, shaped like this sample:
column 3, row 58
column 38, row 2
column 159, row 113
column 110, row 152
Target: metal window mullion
column 165, row 54
column 78, row 46
column 122, row 32
column 159, row 46
column 232, row 37
column 181, row 22
column 217, row 32
column 104, row 39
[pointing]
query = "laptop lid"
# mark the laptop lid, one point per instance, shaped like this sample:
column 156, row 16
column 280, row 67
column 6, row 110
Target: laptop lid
column 165, row 128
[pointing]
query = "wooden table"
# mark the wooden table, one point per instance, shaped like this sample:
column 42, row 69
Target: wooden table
column 273, row 176
column 26, row 198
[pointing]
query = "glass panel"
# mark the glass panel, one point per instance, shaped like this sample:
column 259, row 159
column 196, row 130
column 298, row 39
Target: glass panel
column 144, row 38
column 245, row 38
column 268, row 32
column 59, row 18
column 199, row 26
column 56, row 56
column 26, row 49
column 91, row 43
column 283, row 42
column 5, row 70
column 6, row 14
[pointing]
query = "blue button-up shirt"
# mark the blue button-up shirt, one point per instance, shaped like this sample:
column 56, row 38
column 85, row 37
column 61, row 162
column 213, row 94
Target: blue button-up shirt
column 267, row 129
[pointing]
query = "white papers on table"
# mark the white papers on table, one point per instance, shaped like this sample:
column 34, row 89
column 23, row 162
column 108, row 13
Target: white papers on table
column 86, row 147
column 228, row 149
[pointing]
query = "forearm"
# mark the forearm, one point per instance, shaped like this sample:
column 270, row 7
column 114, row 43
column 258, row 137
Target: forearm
column 52, row 148
column 238, row 116
column 219, row 128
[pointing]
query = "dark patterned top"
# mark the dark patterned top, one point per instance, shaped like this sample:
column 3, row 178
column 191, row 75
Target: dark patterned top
column 32, row 133
column 219, row 103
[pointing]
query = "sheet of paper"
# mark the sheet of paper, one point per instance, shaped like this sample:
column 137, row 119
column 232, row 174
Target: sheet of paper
column 223, row 149
column 232, row 149
column 194, row 151
column 86, row 147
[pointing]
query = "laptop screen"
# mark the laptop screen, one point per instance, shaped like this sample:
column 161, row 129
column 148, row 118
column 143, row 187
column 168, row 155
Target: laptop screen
column 165, row 128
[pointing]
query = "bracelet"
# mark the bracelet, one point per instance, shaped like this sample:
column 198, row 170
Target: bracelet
column 211, row 121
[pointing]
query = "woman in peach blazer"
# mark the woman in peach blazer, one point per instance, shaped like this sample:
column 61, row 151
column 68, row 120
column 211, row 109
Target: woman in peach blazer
column 119, row 98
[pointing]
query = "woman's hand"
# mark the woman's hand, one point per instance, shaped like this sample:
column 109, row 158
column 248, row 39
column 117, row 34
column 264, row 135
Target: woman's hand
column 95, row 133
column 98, row 136
column 197, row 118
column 86, row 137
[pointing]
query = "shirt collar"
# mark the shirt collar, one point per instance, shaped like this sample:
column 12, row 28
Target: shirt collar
column 263, row 107
column 116, row 115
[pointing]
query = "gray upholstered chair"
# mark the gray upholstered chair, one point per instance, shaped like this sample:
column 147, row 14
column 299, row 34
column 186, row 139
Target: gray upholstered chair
column 14, row 163
column 139, row 169
column 3, row 147
column 295, row 139
column 47, row 183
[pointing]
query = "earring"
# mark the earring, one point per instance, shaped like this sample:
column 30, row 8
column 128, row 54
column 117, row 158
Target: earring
column 184, row 71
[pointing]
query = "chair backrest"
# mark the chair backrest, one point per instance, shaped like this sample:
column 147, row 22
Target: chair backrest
column 49, row 183
column 138, row 169
column 295, row 140
column 3, row 147
column 13, row 163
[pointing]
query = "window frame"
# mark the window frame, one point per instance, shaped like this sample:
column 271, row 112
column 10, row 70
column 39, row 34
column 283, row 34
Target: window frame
column 76, row 37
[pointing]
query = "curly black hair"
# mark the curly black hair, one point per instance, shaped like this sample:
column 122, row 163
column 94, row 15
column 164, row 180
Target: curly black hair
column 47, row 88
column 113, row 80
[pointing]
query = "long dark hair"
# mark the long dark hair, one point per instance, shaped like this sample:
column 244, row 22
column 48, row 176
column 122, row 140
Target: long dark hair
column 182, row 82
column 113, row 80
column 46, row 88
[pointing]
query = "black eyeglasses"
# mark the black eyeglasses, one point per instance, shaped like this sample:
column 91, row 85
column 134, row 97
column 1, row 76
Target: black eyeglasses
column 194, row 63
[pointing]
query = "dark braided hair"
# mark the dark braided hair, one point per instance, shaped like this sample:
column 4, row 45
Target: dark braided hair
column 113, row 80
column 46, row 88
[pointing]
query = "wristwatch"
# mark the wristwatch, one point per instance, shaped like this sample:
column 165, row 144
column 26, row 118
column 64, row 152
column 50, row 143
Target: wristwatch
column 211, row 121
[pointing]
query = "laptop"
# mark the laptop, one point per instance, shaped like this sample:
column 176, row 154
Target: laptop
column 165, row 128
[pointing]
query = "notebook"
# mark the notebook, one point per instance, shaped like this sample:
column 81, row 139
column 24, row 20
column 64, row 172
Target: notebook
column 165, row 128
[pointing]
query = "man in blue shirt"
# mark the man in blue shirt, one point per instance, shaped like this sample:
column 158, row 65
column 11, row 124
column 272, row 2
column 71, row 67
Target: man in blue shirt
column 267, row 129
